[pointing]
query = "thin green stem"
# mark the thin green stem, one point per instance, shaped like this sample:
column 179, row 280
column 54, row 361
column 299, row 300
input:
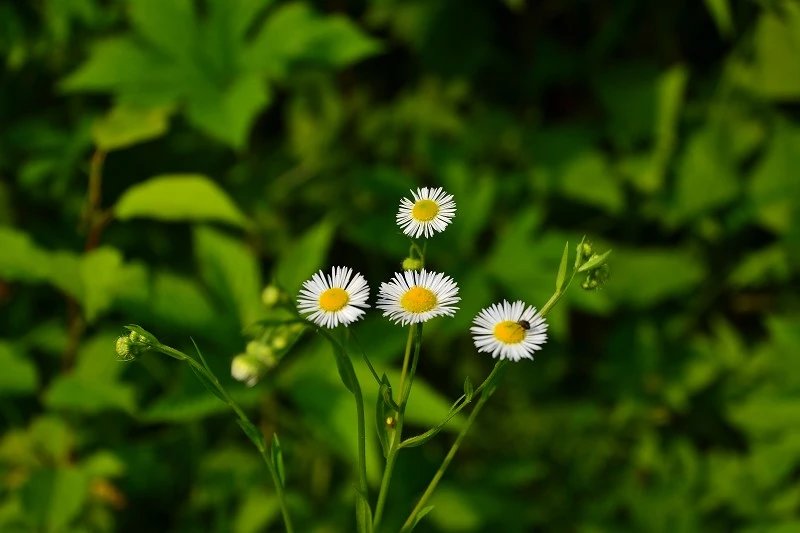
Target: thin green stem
column 486, row 394
column 226, row 397
column 414, row 341
column 411, row 520
column 362, row 432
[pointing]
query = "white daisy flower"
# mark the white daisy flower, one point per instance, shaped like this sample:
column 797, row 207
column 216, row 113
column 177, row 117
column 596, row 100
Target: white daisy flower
column 430, row 212
column 415, row 296
column 335, row 299
column 511, row 331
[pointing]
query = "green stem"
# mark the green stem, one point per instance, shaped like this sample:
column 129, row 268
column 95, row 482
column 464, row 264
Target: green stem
column 362, row 435
column 412, row 518
column 414, row 340
column 287, row 521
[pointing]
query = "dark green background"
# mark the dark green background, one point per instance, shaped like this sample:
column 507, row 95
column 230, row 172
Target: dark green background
column 668, row 131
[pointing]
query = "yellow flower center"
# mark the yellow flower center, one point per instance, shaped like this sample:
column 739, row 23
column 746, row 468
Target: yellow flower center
column 425, row 210
column 418, row 300
column 509, row 332
column 333, row 300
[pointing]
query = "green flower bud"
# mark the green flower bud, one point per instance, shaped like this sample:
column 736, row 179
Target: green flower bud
column 279, row 342
column 247, row 369
column 124, row 349
column 412, row 263
column 262, row 352
column 271, row 296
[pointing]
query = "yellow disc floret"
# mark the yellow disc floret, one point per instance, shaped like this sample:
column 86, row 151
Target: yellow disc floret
column 333, row 299
column 418, row 300
column 425, row 210
column 509, row 332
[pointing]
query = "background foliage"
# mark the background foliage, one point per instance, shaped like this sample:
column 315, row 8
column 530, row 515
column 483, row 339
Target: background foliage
column 247, row 141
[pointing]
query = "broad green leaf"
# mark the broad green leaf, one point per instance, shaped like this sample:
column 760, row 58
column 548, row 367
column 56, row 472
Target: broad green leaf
column 229, row 115
column 775, row 71
column 720, row 11
column 589, row 179
column 707, row 178
column 776, row 197
column 294, row 33
column 19, row 375
column 256, row 512
column 102, row 273
column 231, row 270
column 126, row 125
column 73, row 392
column 180, row 301
column 179, row 197
column 646, row 277
column 168, row 25
column 304, row 257
column 54, row 497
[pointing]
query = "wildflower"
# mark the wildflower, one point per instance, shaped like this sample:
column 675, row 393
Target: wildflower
column 430, row 212
column 337, row 298
column 510, row 331
column 414, row 296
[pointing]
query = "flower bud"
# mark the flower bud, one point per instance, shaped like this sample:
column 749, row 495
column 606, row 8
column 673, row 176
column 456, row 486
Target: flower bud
column 246, row 368
column 124, row 349
column 279, row 342
column 262, row 352
column 271, row 296
column 412, row 263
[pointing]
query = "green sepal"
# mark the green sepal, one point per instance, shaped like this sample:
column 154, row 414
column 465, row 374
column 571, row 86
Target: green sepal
column 149, row 337
column 276, row 454
column 594, row 262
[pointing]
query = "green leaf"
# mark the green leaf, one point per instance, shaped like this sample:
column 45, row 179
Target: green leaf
column 253, row 433
column 126, row 125
column 469, row 389
column 561, row 277
column 19, row 375
column 231, row 270
column 363, row 513
column 54, row 498
column 229, row 114
column 345, row 368
column 720, row 11
column 102, row 272
column 304, row 258
column 294, row 33
column 207, row 383
column 77, row 393
column 706, row 175
column 588, row 178
column 775, row 197
column 168, row 25
column 179, row 197
column 644, row 277
column 422, row 513
column 382, row 412
column 276, row 455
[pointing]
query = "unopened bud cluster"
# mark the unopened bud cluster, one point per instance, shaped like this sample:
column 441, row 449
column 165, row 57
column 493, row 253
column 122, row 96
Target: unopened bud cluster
column 130, row 346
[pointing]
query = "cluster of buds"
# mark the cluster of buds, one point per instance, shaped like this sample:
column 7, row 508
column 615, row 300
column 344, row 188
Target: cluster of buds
column 594, row 265
column 269, row 344
column 130, row 346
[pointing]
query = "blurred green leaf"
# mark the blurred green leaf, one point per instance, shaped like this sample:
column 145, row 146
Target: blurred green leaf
column 304, row 257
column 776, row 198
column 232, row 272
column 19, row 375
column 258, row 509
column 179, row 197
column 126, row 125
column 53, row 498
column 720, row 11
column 645, row 277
